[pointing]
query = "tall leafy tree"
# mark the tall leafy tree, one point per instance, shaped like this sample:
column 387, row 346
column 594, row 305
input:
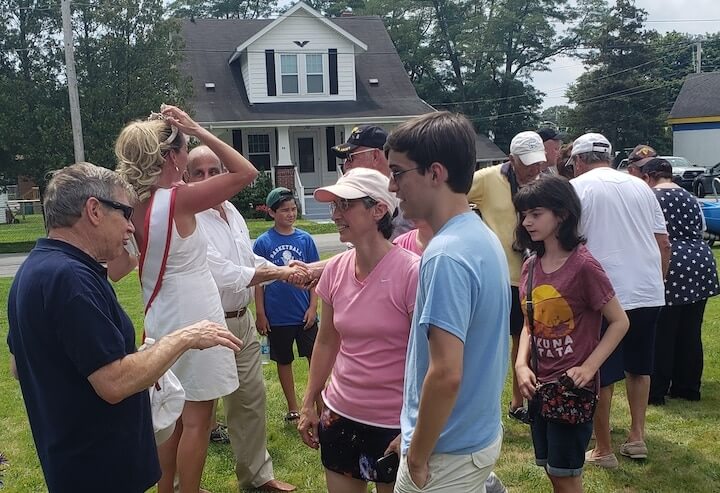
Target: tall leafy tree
column 476, row 56
column 128, row 59
column 34, row 131
column 624, row 93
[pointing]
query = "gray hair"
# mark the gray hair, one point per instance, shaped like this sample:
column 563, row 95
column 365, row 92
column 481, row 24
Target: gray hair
column 71, row 187
column 595, row 157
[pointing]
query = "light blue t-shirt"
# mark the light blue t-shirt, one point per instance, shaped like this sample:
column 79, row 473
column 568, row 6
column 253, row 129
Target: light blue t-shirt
column 464, row 289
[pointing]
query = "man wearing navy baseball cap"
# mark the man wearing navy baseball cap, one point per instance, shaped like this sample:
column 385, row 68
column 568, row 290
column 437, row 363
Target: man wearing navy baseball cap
column 364, row 149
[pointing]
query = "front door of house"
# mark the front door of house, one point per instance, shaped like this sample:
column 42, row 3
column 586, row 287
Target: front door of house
column 306, row 156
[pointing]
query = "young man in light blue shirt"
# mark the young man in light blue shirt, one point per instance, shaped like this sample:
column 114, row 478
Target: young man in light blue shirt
column 458, row 350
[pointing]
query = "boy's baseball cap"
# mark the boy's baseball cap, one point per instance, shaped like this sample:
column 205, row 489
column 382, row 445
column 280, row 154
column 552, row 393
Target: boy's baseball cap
column 358, row 183
column 362, row 136
column 528, row 147
column 591, row 142
column 278, row 194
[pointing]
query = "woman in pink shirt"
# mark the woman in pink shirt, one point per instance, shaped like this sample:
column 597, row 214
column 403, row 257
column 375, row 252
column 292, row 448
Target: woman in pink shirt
column 368, row 297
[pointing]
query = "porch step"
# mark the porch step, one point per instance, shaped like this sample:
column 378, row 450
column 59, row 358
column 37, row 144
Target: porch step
column 315, row 210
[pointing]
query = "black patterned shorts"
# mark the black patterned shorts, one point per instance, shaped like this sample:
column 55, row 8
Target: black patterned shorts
column 351, row 448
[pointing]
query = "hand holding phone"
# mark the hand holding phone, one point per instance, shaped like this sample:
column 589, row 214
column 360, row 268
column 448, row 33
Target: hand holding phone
column 386, row 467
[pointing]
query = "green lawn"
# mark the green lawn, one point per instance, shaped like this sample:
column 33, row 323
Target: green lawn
column 21, row 237
column 684, row 438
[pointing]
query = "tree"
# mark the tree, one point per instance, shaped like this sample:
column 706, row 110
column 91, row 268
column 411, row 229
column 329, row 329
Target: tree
column 127, row 61
column 475, row 56
column 223, row 9
column 34, row 131
column 625, row 94
column 558, row 116
column 127, row 57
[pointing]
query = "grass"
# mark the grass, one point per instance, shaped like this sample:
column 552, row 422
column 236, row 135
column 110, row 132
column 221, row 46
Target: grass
column 684, row 437
column 21, row 237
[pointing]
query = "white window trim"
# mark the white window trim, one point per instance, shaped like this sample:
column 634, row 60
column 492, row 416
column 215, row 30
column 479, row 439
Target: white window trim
column 302, row 76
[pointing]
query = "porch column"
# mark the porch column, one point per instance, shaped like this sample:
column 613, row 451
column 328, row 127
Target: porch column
column 348, row 131
column 284, row 145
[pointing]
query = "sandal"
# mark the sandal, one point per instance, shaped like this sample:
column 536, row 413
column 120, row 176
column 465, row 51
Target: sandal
column 520, row 413
column 292, row 417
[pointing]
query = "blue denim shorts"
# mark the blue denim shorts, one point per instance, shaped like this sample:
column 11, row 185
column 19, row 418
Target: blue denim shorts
column 560, row 448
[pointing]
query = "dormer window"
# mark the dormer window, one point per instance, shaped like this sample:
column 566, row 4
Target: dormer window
column 302, row 73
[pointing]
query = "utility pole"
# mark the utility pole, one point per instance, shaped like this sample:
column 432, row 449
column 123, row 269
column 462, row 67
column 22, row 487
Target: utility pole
column 72, row 82
column 698, row 56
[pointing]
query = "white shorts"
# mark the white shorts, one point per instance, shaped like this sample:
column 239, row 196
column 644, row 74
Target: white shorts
column 453, row 473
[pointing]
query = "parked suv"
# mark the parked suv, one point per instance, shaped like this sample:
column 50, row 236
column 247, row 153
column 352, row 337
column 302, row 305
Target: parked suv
column 684, row 173
column 703, row 183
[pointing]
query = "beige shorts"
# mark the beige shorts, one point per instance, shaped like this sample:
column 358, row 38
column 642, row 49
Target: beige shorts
column 453, row 473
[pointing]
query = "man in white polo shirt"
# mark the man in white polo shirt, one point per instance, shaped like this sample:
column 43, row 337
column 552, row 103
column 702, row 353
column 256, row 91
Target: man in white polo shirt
column 625, row 230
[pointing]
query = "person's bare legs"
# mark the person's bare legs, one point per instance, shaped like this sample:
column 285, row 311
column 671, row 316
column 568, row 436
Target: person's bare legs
column 287, row 382
column 638, row 391
column 167, row 455
column 601, row 422
column 572, row 484
column 192, row 449
column 337, row 483
column 516, row 400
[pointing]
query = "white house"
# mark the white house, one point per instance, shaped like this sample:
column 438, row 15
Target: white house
column 284, row 91
column 695, row 119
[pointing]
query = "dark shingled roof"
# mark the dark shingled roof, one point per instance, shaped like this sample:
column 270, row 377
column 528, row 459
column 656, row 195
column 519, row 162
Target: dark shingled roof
column 699, row 96
column 211, row 42
column 486, row 150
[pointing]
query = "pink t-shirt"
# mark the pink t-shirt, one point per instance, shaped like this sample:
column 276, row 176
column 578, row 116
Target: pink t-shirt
column 373, row 319
column 567, row 311
column 409, row 241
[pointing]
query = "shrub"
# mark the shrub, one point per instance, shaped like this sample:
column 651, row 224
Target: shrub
column 251, row 200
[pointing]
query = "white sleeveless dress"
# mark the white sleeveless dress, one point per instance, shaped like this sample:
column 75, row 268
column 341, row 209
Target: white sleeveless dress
column 188, row 295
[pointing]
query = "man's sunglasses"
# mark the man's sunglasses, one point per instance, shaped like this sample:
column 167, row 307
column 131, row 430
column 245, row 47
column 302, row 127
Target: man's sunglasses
column 127, row 211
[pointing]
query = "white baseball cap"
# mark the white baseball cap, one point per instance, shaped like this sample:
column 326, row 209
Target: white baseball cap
column 528, row 147
column 358, row 183
column 591, row 142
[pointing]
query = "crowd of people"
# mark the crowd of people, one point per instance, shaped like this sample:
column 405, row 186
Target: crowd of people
column 553, row 263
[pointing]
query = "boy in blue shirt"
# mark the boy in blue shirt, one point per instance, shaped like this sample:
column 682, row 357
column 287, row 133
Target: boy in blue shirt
column 286, row 313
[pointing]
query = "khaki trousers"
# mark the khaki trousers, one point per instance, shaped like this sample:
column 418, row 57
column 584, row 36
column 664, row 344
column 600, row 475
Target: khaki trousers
column 245, row 409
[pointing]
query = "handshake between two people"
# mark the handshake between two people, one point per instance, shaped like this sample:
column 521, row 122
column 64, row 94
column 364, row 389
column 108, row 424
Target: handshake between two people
column 302, row 275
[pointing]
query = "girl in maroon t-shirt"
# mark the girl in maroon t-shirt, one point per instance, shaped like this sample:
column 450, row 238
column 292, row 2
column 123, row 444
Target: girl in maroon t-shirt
column 571, row 294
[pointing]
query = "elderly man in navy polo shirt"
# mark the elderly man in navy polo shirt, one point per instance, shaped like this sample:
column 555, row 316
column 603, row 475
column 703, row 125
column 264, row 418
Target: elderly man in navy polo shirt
column 73, row 346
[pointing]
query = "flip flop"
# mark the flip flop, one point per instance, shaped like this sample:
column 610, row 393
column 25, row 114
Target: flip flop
column 292, row 416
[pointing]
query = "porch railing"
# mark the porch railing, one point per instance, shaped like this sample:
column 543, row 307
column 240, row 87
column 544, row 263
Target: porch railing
column 300, row 191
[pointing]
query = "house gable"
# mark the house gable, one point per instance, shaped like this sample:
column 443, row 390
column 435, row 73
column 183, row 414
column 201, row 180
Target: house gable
column 300, row 56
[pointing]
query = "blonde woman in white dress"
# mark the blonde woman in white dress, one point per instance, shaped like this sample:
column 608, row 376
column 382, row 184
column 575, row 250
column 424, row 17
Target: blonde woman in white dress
column 151, row 156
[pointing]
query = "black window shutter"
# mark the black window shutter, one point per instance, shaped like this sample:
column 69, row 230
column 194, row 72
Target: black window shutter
column 332, row 65
column 237, row 140
column 270, row 72
column 330, row 138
